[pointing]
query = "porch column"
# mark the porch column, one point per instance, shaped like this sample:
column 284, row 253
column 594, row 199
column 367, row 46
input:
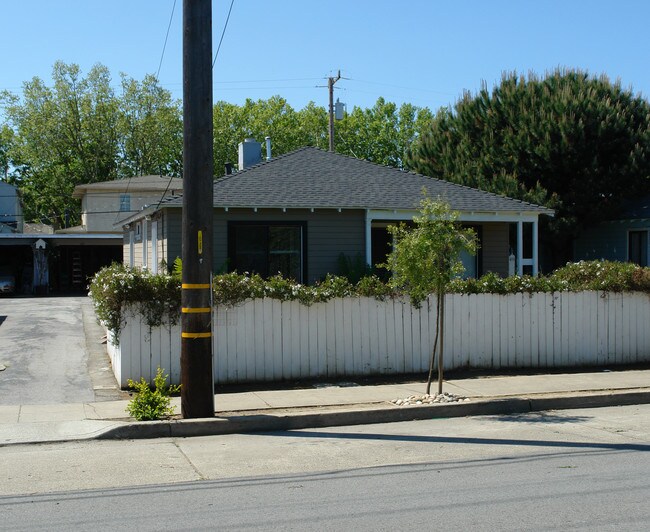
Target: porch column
column 520, row 248
column 535, row 249
column 368, row 239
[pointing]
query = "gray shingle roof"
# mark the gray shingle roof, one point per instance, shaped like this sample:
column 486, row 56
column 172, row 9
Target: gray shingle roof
column 313, row 178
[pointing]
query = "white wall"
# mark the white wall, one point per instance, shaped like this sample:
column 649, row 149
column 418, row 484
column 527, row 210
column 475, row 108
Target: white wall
column 267, row 340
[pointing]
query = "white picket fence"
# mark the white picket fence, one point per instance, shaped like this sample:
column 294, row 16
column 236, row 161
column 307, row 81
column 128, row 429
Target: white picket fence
column 269, row 340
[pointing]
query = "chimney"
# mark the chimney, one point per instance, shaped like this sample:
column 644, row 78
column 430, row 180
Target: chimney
column 228, row 168
column 250, row 153
column 268, row 148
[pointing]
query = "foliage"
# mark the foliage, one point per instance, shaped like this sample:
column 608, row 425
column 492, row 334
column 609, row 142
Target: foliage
column 150, row 129
column 117, row 286
column 569, row 141
column 148, row 404
column 425, row 258
column 78, row 131
column 353, row 268
column 64, row 136
column 383, row 133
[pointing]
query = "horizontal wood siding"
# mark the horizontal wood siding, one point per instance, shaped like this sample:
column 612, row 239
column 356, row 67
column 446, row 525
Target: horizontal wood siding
column 329, row 233
column 269, row 340
column 173, row 224
column 495, row 248
column 606, row 240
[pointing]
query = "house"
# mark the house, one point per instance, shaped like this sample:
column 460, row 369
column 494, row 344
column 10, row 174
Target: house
column 43, row 261
column 297, row 213
column 624, row 239
column 106, row 202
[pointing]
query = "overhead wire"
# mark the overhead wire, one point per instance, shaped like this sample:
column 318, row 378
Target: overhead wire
column 162, row 55
column 223, row 33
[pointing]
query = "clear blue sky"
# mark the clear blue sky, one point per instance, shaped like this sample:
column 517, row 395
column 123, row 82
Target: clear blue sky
column 425, row 52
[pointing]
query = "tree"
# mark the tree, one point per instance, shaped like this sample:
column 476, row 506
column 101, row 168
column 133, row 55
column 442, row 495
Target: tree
column 63, row 136
column 6, row 142
column 79, row 131
column 570, row 141
column 150, row 129
column 425, row 258
column 383, row 133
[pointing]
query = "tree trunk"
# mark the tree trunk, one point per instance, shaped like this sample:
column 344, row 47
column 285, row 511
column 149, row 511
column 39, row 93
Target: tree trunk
column 441, row 326
column 435, row 344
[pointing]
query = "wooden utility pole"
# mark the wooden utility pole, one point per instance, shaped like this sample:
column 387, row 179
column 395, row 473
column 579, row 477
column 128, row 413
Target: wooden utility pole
column 197, row 391
column 330, row 86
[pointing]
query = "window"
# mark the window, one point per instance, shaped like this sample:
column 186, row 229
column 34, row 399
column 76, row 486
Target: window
column 125, row 202
column 267, row 249
column 637, row 247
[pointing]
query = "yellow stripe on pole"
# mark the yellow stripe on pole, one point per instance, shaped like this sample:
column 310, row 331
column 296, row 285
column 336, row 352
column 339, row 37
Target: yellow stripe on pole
column 196, row 310
column 195, row 286
column 196, row 335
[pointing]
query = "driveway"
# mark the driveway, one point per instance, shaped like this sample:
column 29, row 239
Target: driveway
column 52, row 353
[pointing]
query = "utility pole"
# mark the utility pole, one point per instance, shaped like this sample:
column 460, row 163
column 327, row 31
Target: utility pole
column 330, row 85
column 197, row 390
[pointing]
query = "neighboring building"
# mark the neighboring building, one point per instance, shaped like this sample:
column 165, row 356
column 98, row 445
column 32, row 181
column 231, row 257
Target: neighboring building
column 105, row 203
column 62, row 262
column 11, row 211
column 625, row 239
column 297, row 213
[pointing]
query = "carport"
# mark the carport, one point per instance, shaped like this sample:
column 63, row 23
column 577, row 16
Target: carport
column 57, row 263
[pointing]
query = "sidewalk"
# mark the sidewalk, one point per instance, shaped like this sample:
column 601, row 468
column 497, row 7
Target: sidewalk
column 328, row 405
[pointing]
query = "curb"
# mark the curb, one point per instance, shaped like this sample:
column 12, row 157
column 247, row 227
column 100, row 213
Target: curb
column 237, row 424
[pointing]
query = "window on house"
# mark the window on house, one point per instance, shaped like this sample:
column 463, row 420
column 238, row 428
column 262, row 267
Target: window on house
column 637, row 247
column 125, row 202
column 267, row 249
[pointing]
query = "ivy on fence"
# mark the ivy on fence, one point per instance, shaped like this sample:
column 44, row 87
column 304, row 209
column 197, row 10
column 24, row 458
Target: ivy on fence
column 158, row 296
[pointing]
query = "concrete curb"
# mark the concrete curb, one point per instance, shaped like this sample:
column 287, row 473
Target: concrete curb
column 383, row 414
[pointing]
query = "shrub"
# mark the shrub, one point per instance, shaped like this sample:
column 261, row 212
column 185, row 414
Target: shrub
column 159, row 296
column 148, row 404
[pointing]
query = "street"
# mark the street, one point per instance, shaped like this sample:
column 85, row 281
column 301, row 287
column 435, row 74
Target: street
column 574, row 469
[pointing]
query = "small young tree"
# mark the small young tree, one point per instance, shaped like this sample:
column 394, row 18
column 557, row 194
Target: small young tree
column 425, row 258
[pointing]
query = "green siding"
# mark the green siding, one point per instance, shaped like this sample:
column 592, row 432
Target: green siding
column 329, row 233
column 495, row 247
column 607, row 240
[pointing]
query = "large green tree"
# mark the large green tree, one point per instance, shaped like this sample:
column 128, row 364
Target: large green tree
column 79, row 131
column 150, row 129
column 577, row 143
column 64, row 135
column 383, row 133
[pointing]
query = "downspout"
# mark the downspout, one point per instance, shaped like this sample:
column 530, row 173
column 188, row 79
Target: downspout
column 368, row 221
column 535, row 248
column 520, row 248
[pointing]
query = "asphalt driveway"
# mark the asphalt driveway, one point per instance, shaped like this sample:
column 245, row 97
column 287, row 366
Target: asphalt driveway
column 48, row 355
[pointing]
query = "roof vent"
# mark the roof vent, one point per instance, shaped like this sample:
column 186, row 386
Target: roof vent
column 268, row 148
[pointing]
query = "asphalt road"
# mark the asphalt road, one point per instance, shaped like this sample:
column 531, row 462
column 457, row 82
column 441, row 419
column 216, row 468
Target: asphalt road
column 571, row 470
column 43, row 348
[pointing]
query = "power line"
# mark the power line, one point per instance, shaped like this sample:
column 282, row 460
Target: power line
column 171, row 17
column 223, row 33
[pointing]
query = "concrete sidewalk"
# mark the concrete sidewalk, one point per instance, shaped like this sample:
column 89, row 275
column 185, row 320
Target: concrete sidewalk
column 327, row 405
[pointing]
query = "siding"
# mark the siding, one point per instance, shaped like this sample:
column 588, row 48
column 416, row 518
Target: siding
column 606, row 240
column 495, row 248
column 329, row 233
column 172, row 223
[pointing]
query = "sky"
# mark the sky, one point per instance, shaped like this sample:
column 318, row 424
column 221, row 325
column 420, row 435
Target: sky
column 424, row 52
